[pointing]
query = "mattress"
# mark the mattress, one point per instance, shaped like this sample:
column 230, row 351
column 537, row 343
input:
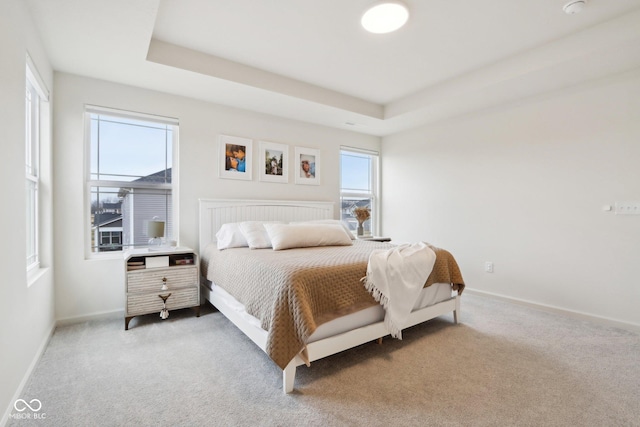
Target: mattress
column 431, row 295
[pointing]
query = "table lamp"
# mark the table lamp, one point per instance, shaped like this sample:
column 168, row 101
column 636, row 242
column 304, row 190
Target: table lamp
column 155, row 230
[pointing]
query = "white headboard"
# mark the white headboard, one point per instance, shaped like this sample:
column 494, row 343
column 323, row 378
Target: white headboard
column 215, row 212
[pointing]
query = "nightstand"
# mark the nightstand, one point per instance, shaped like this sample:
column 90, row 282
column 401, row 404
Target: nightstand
column 159, row 279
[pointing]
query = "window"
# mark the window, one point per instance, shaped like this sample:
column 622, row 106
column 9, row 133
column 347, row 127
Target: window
column 35, row 95
column 111, row 239
column 359, row 186
column 130, row 178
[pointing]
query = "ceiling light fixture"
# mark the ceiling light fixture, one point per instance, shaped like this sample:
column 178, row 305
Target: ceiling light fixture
column 385, row 17
column 574, row 7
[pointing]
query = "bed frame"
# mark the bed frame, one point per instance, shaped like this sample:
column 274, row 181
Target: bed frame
column 215, row 212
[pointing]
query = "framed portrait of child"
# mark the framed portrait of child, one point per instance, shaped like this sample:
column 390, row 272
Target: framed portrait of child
column 307, row 166
column 234, row 157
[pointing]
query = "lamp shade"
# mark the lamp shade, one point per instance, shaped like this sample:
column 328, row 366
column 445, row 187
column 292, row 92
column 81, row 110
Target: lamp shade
column 155, row 229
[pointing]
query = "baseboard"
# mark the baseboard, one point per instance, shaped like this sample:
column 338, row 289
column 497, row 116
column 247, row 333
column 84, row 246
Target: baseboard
column 27, row 375
column 112, row 314
column 559, row 310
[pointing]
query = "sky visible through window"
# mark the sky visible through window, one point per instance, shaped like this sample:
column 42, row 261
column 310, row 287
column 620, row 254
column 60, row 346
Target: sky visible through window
column 129, row 149
column 356, row 172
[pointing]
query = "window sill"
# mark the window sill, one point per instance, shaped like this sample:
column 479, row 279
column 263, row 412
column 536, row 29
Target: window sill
column 93, row 256
column 34, row 275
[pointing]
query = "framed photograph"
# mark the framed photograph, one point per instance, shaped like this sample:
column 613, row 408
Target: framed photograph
column 234, row 157
column 306, row 166
column 274, row 161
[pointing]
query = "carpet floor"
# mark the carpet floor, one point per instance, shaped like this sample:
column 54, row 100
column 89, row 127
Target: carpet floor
column 503, row 365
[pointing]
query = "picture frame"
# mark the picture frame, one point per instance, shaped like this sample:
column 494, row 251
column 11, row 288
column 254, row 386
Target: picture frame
column 306, row 166
column 274, row 162
column 233, row 162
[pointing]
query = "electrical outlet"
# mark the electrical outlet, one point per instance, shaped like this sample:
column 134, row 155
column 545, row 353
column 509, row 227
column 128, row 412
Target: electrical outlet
column 488, row 267
column 627, row 208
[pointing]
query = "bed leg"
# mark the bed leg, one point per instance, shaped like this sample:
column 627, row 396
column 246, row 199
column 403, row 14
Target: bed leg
column 289, row 376
column 456, row 312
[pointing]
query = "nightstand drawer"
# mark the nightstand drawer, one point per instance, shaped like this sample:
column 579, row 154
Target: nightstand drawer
column 152, row 280
column 152, row 303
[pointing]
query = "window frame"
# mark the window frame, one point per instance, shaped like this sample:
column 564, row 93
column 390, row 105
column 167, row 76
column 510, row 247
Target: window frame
column 373, row 194
column 90, row 183
column 36, row 94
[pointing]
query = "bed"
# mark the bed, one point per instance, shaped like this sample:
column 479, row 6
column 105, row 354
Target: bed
column 301, row 324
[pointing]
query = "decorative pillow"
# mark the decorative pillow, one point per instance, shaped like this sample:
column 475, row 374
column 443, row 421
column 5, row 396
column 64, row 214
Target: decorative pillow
column 255, row 233
column 328, row 221
column 230, row 236
column 287, row 236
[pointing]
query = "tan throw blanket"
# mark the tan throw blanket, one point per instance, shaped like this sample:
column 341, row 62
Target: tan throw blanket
column 445, row 270
column 395, row 278
column 292, row 292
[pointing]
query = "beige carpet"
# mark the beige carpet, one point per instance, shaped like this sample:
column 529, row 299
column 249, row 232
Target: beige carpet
column 504, row 365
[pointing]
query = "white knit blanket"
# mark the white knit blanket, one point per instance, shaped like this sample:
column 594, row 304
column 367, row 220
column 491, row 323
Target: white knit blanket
column 395, row 277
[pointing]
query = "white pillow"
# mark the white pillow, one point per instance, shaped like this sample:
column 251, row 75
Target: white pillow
column 328, row 221
column 287, row 236
column 230, row 236
column 255, row 233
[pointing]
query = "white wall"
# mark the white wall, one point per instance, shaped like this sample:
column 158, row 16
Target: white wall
column 87, row 287
column 27, row 312
column 524, row 187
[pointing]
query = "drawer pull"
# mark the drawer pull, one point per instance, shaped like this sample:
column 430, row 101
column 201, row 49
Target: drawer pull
column 164, row 285
column 164, row 313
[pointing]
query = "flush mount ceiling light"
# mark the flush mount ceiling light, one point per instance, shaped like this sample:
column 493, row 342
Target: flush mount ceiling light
column 385, row 17
column 574, row 7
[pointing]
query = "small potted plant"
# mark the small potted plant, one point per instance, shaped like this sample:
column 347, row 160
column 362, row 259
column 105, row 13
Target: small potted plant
column 361, row 213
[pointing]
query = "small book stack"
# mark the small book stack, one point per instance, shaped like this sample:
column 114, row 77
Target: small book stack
column 135, row 265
